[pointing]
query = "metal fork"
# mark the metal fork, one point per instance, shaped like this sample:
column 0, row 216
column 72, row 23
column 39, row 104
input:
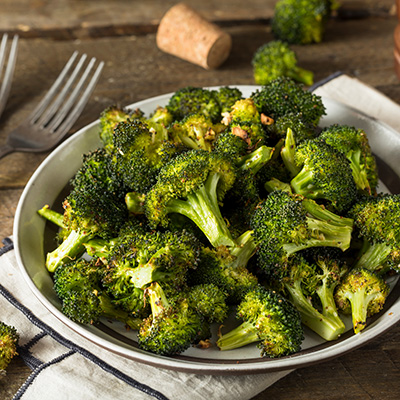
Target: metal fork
column 57, row 111
column 7, row 68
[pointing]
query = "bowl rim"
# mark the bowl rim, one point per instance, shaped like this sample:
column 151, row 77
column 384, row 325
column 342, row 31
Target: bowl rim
column 200, row 366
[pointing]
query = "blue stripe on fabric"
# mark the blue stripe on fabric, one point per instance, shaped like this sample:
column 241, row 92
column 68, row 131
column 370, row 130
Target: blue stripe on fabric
column 72, row 346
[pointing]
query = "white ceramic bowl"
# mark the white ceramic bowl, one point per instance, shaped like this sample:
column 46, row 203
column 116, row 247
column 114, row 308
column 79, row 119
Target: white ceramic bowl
column 32, row 235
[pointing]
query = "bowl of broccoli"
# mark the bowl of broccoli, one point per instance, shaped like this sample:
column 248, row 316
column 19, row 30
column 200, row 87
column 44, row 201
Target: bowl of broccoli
column 236, row 229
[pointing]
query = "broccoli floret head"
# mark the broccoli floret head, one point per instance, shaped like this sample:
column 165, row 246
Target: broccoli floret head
column 215, row 267
column 245, row 121
column 376, row 221
column 196, row 131
column 362, row 293
column 194, row 100
column 284, row 224
column 276, row 59
column 9, row 339
column 193, row 184
column 354, row 144
column 300, row 21
column 96, row 201
column 209, row 301
column 269, row 320
column 227, row 96
column 137, row 260
column 285, row 96
column 173, row 325
column 301, row 129
column 231, row 146
column 83, row 299
column 325, row 175
column 109, row 119
column 140, row 153
column 94, row 207
column 161, row 117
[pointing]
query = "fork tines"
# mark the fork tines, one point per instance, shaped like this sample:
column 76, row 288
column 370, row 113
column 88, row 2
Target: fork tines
column 8, row 57
column 68, row 95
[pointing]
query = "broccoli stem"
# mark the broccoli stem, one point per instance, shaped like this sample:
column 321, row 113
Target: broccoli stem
column 244, row 250
column 359, row 301
column 326, row 325
column 99, row 247
column 301, row 75
column 329, row 309
column 254, row 161
column 303, row 183
column 373, row 257
column 70, row 248
column 201, row 206
column 328, row 226
column 157, row 298
column 135, row 202
column 288, row 152
column 111, row 312
column 276, row 184
column 358, row 170
column 147, row 272
column 240, row 336
column 52, row 216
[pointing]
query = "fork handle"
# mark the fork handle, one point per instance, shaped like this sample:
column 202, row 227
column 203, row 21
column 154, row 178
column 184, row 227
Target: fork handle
column 5, row 149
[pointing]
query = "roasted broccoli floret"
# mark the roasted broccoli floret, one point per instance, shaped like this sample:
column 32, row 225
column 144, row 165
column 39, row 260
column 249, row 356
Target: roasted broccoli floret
column 215, row 268
column 284, row 224
column 136, row 260
column 101, row 248
column 194, row 100
column 294, row 121
column 354, row 144
column 94, row 207
column 276, row 59
column 325, row 175
column 209, row 301
column 194, row 184
column 173, row 325
column 9, row 339
column 161, row 118
column 361, row 294
column 196, row 131
column 140, row 153
column 245, row 121
column 269, row 320
column 227, row 96
column 377, row 223
column 300, row 21
column 311, row 286
column 284, row 96
column 83, row 299
column 231, row 146
column 109, row 119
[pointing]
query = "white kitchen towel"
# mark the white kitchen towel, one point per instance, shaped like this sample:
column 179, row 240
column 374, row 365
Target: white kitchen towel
column 67, row 366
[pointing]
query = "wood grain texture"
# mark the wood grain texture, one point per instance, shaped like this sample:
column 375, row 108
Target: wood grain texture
column 69, row 19
column 136, row 69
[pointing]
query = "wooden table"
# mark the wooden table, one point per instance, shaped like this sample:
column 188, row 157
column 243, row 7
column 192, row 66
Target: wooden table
column 359, row 42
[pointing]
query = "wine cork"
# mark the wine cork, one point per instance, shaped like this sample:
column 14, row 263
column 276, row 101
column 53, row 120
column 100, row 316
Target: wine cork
column 187, row 35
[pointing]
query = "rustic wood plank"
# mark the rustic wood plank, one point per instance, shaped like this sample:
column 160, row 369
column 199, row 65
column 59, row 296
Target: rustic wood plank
column 136, row 69
column 66, row 19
